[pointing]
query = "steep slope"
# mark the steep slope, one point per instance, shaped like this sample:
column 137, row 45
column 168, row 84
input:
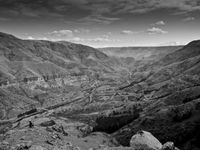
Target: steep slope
column 188, row 51
column 30, row 69
column 23, row 56
column 171, row 87
column 26, row 66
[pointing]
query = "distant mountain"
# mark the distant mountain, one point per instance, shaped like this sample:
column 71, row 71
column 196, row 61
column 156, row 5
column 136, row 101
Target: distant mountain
column 188, row 51
column 139, row 53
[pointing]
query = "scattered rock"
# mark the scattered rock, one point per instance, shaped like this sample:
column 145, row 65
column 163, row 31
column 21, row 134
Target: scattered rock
column 60, row 129
column 144, row 140
column 48, row 123
column 86, row 129
column 23, row 146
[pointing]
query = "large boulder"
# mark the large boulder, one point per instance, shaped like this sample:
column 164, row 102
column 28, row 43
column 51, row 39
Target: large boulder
column 144, row 140
column 169, row 146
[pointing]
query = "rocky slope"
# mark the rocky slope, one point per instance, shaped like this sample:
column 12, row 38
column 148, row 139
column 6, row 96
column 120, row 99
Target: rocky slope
column 172, row 90
column 78, row 97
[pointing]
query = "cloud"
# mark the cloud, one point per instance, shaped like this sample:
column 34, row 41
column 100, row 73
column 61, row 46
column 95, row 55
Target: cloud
column 173, row 43
column 45, row 39
column 91, row 11
column 99, row 39
column 40, row 38
column 127, row 32
column 144, row 6
column 34, row 9
column 81, row 30
column 160, row 23
column 97, row 19
column 188, row 19
column 30, row 38
column 62, row 33
column 77, row 39
column 155, row 30
column 96, row 39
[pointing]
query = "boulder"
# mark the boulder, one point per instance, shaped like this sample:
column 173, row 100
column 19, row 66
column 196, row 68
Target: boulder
column 24, row 146
column 144, row 140
column 169, row 146
column 48, row 123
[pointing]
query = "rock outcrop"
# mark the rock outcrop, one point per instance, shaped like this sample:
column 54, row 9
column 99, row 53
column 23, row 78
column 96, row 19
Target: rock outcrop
column 169, row 146
column 144, row 140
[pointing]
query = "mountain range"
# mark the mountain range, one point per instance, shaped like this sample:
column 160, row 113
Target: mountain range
column 102, row 96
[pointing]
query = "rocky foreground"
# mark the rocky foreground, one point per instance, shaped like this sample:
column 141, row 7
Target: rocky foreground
column 60, row 95
column 48, row 133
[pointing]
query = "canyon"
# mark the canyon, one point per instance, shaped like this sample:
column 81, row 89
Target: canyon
column 79, row 97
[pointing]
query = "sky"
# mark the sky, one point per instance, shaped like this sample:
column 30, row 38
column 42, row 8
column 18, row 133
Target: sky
column 103, row 23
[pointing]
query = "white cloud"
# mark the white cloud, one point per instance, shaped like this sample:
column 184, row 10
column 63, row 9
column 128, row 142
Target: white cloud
column 77, row 39
column 62, row 33
column 160, row 23
column 44, row 38
column 173, row 43
column 155, row 30
column 99, row 39
column 97, row 19
column 127, row 32
column 188, row 19
column 30, row 38
column 40, row 38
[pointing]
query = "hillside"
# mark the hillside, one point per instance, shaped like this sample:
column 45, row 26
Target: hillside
column 171, row 87
column 23, row 58
column 79, row 97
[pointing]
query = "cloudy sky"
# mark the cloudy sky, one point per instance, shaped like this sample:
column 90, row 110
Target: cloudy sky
column 102, row 23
